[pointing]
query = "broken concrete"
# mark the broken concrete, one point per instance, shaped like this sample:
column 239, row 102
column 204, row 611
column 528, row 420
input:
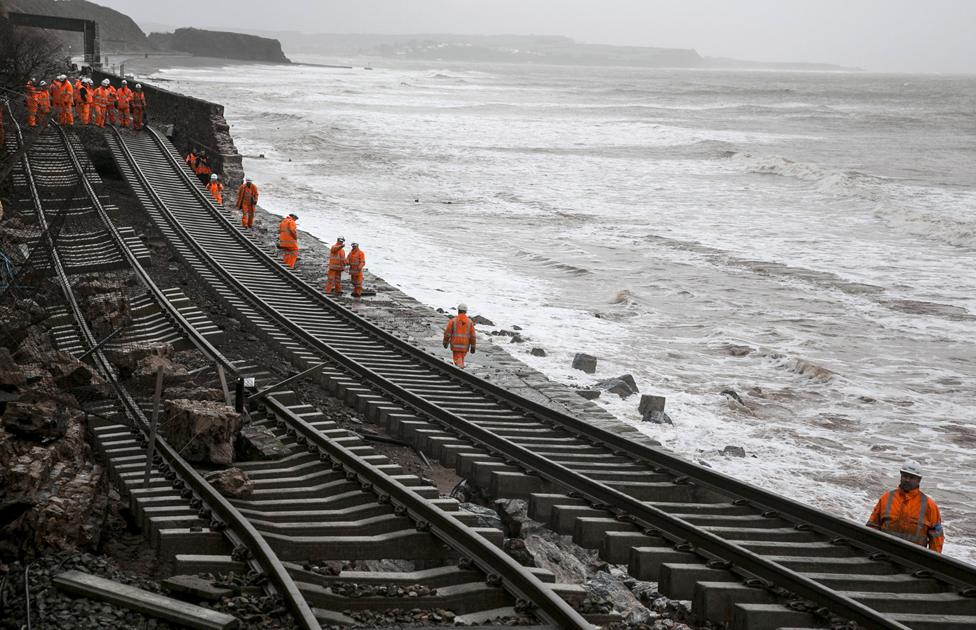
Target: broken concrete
column 202, row 431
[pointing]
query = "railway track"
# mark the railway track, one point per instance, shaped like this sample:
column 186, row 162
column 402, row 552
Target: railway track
column 358, row 506
column 745, row 556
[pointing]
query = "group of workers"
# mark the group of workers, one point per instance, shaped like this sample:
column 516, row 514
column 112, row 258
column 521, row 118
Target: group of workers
column 199, row 163
column 339, row 261
column 91, row 105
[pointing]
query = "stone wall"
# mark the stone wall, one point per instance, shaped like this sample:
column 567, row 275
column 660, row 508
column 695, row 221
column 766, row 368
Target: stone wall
column 196, row 124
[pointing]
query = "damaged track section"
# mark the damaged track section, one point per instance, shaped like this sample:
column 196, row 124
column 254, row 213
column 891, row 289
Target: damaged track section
column 367, row 510
column 728, row 545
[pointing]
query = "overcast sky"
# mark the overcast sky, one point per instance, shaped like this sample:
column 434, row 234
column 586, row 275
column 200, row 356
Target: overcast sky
column 881, row 35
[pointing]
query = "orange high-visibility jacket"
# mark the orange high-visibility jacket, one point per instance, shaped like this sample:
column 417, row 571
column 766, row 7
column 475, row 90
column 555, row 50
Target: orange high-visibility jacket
column 288, row 234
column 138, row 100
column 124, row 96
column 217, row 190
column 247, row 196
column 356, row 260
column 30, row 97
column 66, row 94
column 113, row 96
column 77, row 91
column 337, row 257
column 86, row 95
column 910, row 515
column 460, row 333
column 102, row 96
column 43, row 99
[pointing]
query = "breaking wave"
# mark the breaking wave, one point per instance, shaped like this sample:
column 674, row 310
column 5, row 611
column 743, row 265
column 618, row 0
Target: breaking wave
column 828, row 180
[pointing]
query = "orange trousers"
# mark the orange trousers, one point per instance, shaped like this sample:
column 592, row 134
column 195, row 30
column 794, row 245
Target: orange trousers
column 99, row 115
column 137, row 118
column 31, row 118
column 124, row 116
column 66, row 116
column 290, row 257
column 110, row 114
column 247, row 217
column 84, row 112
column 357, row 283
column 459, row 357
column 335, row 282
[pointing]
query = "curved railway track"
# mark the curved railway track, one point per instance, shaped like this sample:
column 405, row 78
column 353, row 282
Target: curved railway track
column 744, row 555
column 359, row 490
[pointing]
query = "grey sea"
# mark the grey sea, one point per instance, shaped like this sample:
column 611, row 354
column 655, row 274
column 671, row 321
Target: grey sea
column 804, row 240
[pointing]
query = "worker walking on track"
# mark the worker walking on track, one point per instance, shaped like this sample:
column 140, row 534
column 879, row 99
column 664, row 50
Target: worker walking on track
column 460, row 335
column 138, row 106
column 31, row 102
column 102, row 97
column 356, row 261
column 337, row 262
column 216, row 189
column 123, row 98
column 247, row 202
column 85, row 96
column 288, row 240
column 908, row 513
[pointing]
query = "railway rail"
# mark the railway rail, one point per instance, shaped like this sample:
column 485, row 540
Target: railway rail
column 745, row 556
column 359, row 490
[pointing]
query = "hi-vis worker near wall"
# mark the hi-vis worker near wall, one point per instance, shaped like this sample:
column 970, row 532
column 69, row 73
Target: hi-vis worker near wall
column 460, row 335
column 138, row 106
column 247, row 201
column 337, row 262
column 216, row 189
column 908, row 513
column 356, row 261
column 288, row 240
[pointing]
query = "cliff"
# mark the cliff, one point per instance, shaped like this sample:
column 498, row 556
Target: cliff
column 221, row 44
column 116, row 30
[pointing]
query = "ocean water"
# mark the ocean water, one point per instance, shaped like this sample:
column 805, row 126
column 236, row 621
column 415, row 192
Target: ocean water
column 807, row 240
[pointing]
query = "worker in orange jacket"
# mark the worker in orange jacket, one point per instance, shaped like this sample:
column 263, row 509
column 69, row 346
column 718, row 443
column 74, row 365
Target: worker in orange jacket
column 66, row 100
column 460, row 335
column 43, row 98
column 216, row 189
column 356, row 261
column 288, row 240
column 908, row 513
column 123, row 96
column 112, row 108
column 103, row 96
column 337, row 262
column 30, row 102
column 247, row 202
column 138, row 106
column 84, row 97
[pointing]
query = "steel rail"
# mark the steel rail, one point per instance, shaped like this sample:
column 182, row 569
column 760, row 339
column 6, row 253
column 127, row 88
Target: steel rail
column 482, row 553
column 242, row 529
column 950, row 570
column 706, row 543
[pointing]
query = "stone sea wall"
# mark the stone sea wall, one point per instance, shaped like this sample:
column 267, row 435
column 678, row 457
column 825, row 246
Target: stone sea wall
column 196, row 124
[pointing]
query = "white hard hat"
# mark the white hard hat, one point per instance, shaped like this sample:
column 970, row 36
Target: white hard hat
column 138, row 86
column 355, row 244
column 105, row 81
column 462, row 308
column 43, row 83
column 341, row 239
column 247, row 180
column 911, row 467
column 62, row 77
column 213, row 176
column 124, row 82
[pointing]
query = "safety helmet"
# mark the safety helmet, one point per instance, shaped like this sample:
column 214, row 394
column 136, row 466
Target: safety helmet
column 911, row 467
column 247, row 180
column 104, row 81
column 124, row 82
column 138, row 86
column 213, row 176
column 294, row 216
column 43, row 83
column 340, row 239
column 462, row 308
column 355, row 244
column 62, row 77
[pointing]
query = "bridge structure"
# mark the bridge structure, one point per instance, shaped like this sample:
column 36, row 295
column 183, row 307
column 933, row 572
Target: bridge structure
column 88, row 29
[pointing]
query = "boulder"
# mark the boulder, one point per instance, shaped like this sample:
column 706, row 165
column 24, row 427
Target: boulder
column 232, row 483
column 70, row 373
column 658, row 417
column 734, row 451
column 731, row 393
column 203, row 431
column 609, row 588
column 128, row 358
column 649, row 403
column 589, row 394
column 486, row 517
column 537, row 352
column 517, row 338
column 17, row 318
column 622, row 386
column 513, row 512
column 39, row 421
column 584, row 362
column 482, row 321
column 568, row 562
